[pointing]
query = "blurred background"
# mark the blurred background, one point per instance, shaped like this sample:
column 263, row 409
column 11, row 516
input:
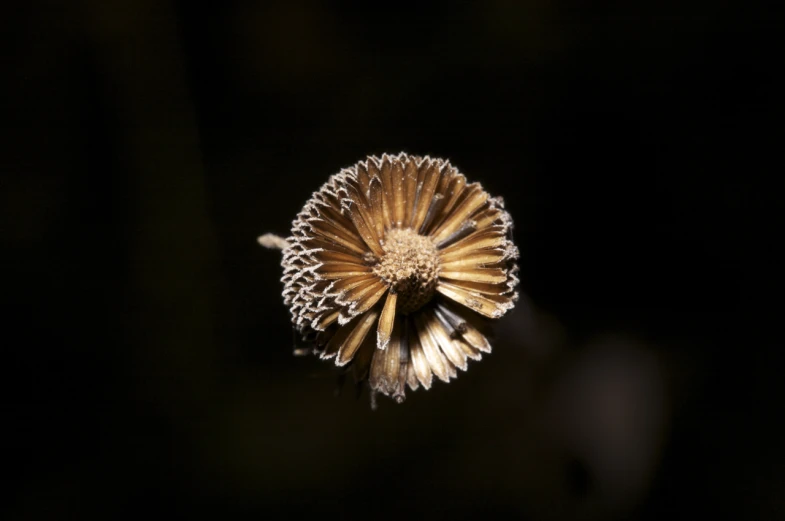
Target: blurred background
column 146, row 144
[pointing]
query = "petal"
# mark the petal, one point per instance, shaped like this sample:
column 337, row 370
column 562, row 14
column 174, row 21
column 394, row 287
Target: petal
column 346, row 273
column 327, row 268
column 442, row 338
column 482, row 287
column 488, row 217
column 482, row 239
column 487, row 275
column 410, row 191
column 453, row 194
column 417, row 356
column 337, row 340
column 368, row 300
column 386, row 321
column 434, row 212
column 340, row 286
column 411, row 377
column 334, row 233
column 336, row 256
column 315, row 242
column 433, row 354
column 466, row 229
column 377, row 378
column 476, row 197
column 361, row 364
column 476, row 339
column 363, row 177
column 468, row 349
column 325, row 320
column 352, row 296
column 356, row 337
column 461, row 319
column 365, row 227
column 476, row 259
column 388, row 369
column 426, row 187
column 483, row 304
column 331, row 211
column 398, row 194
column 388, row 191
column 376, row 200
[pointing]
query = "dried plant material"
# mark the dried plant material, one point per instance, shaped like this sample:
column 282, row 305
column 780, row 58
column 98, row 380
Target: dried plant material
column 404, row 247
column 269, row 240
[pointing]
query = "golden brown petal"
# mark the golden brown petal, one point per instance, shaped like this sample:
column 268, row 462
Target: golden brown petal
column 417, row 356
column 487, row 275
column 389, row 367
column 466, row 229
column 448, row 174
column 398, row 194
column 355, row 338
column 365, row 227
column 374, row 165
column 410, row 174
column 453, row 194
column 361, row 363
column 377, row 377
column 481, row 287
column 337, row 287
column 337, row 340
column 476, row 339
column 483, row 304
column 331, row 212
column 461, row 213
column 363, row 177
column 399, row 394
column 425, row 190
column 459, row 319
column 317, row 242
column 411, row 377
column 385, row 174
column 467, row 349
column 433, row 212
column 351, row 296
column 479, row 240
column 368, row 300
column 325, row 268
column 376, row 199
column 433, row 354
column 488, row 217
column 348, row 271
column 442, row 338
column 325, row 320
column 336, row 256
column 386, row 321
column 476, row 259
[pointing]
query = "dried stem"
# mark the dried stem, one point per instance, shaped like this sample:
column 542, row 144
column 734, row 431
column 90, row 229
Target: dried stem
column 273, row 242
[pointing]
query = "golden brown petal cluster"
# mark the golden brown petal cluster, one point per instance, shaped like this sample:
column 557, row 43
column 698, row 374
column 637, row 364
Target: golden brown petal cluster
column 392, row 264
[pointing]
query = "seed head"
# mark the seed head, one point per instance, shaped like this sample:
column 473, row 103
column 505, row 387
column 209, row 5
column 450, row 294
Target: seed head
column 409, row 267
column 404, row 246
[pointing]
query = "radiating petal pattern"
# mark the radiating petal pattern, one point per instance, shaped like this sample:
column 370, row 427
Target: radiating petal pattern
column 392, row 267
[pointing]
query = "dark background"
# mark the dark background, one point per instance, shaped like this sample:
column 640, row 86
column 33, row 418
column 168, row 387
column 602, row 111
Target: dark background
column 146, row 144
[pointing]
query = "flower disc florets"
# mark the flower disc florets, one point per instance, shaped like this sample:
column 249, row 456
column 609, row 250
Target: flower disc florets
column 409, row 266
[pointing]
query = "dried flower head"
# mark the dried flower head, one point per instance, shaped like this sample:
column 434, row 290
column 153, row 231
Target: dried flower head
column 400, row 246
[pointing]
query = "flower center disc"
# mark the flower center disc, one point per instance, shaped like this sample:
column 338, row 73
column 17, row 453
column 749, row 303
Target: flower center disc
column 410, row 266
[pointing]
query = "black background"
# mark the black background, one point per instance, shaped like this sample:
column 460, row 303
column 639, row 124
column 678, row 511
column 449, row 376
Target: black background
column 147, row 144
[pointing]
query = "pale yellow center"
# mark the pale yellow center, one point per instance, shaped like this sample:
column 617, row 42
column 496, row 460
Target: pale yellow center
column 410, row 266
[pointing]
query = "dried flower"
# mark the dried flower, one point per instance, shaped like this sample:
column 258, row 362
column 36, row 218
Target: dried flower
column 400, row 246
